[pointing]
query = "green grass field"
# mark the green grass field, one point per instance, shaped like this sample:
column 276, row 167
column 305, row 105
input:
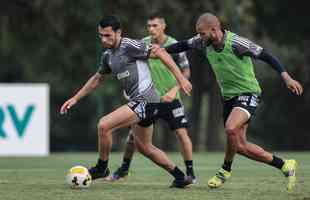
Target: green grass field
column 43, row 179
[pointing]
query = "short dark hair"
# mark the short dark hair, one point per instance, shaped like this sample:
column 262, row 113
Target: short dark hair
column 110, row 20
column 155, row 15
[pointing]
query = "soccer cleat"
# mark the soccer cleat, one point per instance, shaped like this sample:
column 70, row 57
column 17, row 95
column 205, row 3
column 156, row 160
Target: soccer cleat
column 219, row 179
column 97, row 172
column 181, row 183
column 289, row 170
column 119, row 174
column 192, row 178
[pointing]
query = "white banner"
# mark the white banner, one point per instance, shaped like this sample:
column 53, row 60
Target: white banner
column 24, row 119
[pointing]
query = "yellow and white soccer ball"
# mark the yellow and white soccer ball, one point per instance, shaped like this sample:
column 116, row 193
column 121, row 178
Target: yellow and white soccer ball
column 78, row 177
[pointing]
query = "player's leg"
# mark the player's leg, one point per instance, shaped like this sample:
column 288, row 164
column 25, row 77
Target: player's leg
column 234, row 125
column 237, row 112
column 185, row 143
column 251, row 150
column 255, row 152
column 121, row 117
column 187, row 151
column 123, row 170
column 143, row 141
column 174, row 115
column 242, row 146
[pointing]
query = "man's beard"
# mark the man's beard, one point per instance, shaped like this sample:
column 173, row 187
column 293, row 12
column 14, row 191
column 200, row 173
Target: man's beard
column 209, row 41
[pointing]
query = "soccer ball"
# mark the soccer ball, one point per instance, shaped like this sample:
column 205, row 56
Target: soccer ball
column 78, row 177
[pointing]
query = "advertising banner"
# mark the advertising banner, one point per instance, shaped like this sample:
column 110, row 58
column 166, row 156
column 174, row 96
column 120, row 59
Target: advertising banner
column 24, row 119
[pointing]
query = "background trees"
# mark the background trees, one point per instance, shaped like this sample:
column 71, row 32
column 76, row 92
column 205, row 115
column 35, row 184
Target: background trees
column 56, row 42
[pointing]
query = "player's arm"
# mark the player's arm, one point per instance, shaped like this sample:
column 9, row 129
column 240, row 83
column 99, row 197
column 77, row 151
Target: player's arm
column 292, row 84
column 90, row 85
column 178, row 47
column 87, row 88
column 172, row 93
column 140, row 50
column 162, row 54
column 186, row 72
column 193, row 43
column 183, row 64
column 245, row 47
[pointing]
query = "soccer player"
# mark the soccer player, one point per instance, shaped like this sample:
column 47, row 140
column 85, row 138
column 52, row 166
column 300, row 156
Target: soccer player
column 165, row 85
column 230, row 58
column 126, row 59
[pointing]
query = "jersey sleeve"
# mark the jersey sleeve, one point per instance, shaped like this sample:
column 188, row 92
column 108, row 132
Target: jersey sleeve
column 103, row 67
column 244, row 47
column 182, row 61
column 178, row 47
column 136, row 48
column 196, row 42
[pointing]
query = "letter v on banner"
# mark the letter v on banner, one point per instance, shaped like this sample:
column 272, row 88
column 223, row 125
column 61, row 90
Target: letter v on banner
column 20, row 123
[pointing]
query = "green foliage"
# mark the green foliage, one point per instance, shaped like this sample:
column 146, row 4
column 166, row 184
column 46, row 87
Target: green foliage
column 56, row 42
column 285, row 21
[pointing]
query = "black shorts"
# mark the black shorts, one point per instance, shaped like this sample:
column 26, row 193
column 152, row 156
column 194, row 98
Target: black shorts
column 172, row 112
column 147, row 112
column 248, row 102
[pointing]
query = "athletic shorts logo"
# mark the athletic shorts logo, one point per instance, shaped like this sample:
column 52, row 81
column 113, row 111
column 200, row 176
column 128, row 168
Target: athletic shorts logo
column 123, row 75
column 243, row 98
column 253, row 101
column 131, row 104
column 155, row 112
column 178, row 112
column 140, row 110
column 184, row 120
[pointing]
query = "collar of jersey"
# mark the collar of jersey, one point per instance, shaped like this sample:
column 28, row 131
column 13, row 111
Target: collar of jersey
column 223, row 42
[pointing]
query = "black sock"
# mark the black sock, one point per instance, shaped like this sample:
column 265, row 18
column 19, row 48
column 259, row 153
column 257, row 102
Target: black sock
column 177, row 173
column 277, row 162
column 126, row 164
column 189, row 167
column 227, row 165
column 103, row 164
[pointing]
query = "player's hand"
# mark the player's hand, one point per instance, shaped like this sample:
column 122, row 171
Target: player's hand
column 154, row 50
column 170, row 95
column 292, row 84
column 67, row 105
column 185, row 85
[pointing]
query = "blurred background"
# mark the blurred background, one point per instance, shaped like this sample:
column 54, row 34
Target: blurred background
column 55, row 42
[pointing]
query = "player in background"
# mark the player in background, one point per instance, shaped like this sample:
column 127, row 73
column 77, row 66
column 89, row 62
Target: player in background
column 166, row 86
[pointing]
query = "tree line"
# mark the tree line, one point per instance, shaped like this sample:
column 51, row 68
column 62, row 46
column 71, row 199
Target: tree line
column 56, row 42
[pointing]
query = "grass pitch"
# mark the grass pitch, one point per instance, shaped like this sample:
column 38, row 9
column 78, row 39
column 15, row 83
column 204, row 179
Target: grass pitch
column 43, row 179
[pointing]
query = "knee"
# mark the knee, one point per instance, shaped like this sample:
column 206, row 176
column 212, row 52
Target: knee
column 182, row 134
column 231, row 130
column 241, row 149
column 102, row 127
column 145, row 149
